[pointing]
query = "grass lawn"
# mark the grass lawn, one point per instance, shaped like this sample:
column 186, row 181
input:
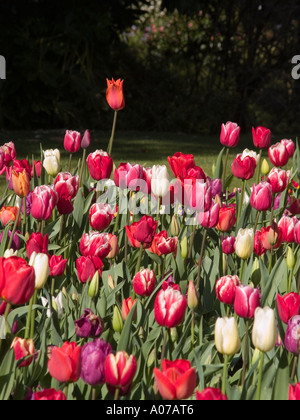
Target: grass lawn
column 145, row 148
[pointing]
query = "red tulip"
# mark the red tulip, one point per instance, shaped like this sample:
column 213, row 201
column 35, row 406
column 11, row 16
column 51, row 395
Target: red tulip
column 177, row 380
column 44, row 200
column 287, row 226
column 72, row 141
column 49, row 395
column 294, row 392
column 131, row 177
column 288, row 306
column 180, row 163
column 65, row 362
column 23, row 348
column 262, row 196
column 278, row 154
column 115, row 95
column 230, row 134
column 37, row 167
column 261, row 137
column 144, row 282
column 279, row 179
column 227, row 218
column 247, row 299
column 210, row 218
column 127, row 304
column 37, row 243
column 100, row 165
column 211, row 394
column 226, row 287
column 228, row 245
column 57, row 265
column 244, row 167
column 259, row 249
column 170, row 305
column 95, row 244
column 271, row 236
column 113, row 241
column 100, row 216
column 17, row 280
column 164, row 245
column 119, row 371
column 142, row 232
column 87, row 267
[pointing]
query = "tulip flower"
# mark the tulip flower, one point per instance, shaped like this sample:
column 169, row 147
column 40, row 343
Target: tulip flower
column 57, row 265
column 87, row 266
column 288, row 306
column 66, row 187
column 264, row 332
column 227, row 218
column 131, row 177
column 244, row 166
column 9, row 214
column 100, row 165
column 247, row 299
column 192, row 296
column 228, row 245
column 93, row 356
column 40, row 263
column 259, row 249
column 51, row 161
column 292, row 335
column 119, row 371
column 89, row 325
column 197, row 195
column 262, row 196
column 49, row 395
column 287, row 227
column 64, row 363
column 142, row 232
column 164, row 245
column 226, row 288
column 177, row 379
column 44, row 200
column 37, row 243
column 211, row 394
column 72, row 141
column 100, row 216
column 278, row 154
column 170, row 305
column 290, row 146
column 279, row 179
column 127, row 305
column 17, row 280
column 113, row 241
column 294, row 392
column 144, row 282
column 9, row 151
column 86, row 140
column 271, row 236
column 23, row 348
column 15, row 244
column 115, row 94
column 180, row 163
column 227, row 338
column 230, row 134
column 261, row 137
column 160, row 182
column 244, row 243
column 95, row 244
column 210, row 218
column 21, row 183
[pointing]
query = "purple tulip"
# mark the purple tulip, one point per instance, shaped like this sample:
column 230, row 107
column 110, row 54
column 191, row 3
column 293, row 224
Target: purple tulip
column 93, row 356
column 292, row 336
column 89, row 325
column 15, row 245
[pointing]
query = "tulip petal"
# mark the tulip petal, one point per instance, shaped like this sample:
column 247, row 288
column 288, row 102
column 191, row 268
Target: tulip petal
column 166, row 389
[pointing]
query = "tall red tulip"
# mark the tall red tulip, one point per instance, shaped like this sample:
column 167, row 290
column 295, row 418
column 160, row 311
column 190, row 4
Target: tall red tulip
column 288, row 306
column 17, row 280
column 115, row 94
column 177, row 380
column 227, row 218
column 119, row 371
column 244, row 167
column 100, row 165
column 180, row 163
column 87, row 266
column 170, row 305
column 261, row 137
column 64, row 363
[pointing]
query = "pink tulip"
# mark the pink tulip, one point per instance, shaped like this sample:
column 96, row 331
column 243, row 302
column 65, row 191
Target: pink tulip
column 279, row 179
column 278, row 155
column 287, row 225
column 210, row 218
column 228, row 245
column 247, row 299
column 230, row 134
column 262, row 196
column 44, row 200
column 170, row 305
column 72, row 141
column 290, row 146
column 261, row 137
column 226, row 288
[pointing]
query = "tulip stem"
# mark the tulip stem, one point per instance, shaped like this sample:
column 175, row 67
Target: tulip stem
column 261, row 366
column 193, row 330
column 163, row 351
column 245, row 359
column 256, row 222
column 70, row 160
column 138, row 265
column 33, row 315
column 200, row 260
column 110, row 145
column 28, row 319
column 117, row 392
column 224, row 374
column 259, row 167
column 224, row 172
column 192, row 242
column 241, row 200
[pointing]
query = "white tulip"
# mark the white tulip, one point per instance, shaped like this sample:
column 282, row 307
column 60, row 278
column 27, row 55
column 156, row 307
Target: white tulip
column 160, row 181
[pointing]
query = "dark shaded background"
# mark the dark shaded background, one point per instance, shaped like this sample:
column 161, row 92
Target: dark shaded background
column 212, row 62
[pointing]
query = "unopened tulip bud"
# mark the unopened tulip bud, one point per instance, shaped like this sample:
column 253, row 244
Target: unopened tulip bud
column 117, row 322
column 151, row 358
column 192, row 298
column 110, row 282
column 174, row 227
column 227, row 338
column 173, row 334
column 184, row 247
column 265, row 167
column 94, row 285
column 290, row 259
column 255, row 273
